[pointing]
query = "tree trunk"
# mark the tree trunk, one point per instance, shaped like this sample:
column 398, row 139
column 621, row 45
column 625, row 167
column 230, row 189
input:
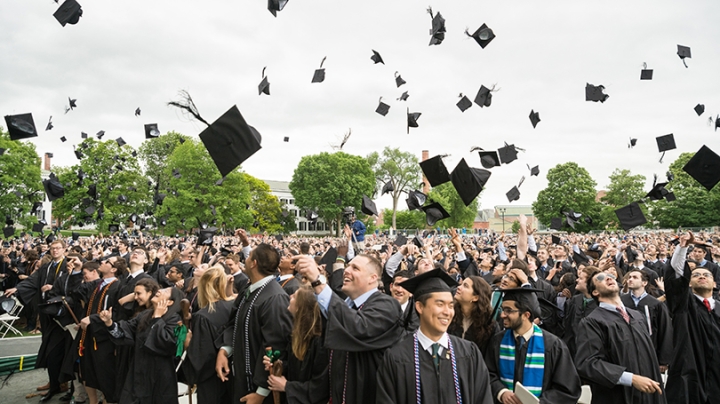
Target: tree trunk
column 395, row 201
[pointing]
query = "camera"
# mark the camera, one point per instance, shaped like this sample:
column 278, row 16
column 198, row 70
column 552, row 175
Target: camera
column 348, row 214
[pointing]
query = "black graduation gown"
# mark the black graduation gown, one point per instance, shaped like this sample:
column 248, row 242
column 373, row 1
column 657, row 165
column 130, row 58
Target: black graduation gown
column 606, row 347
column 307, row 380
column 199, row 364
column 396, row 375
column 410, row 319
column 575, row 311
column 269, row 324
column 151, row 378
column 659, row 322
column 694, row 373
column 561, row 383
column 456, row 329
column 357, row 340
column 290, row 285
column 240, row 283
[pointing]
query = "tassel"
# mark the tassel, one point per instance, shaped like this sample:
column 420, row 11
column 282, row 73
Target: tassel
column 94, row 344
column 187, row 104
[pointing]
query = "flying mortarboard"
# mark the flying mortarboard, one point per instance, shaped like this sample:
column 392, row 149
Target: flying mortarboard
column 415, row 200
column 684, row 52
column 2, row 151
column 9, row 221
column 699, row 109
column 274, row 6
column 68, row 13
column 319, row 75
column 434, row 213
column 286, row 139
column 717, row 122
column 658, row 192
column 382, row 108
column 595, row 93
column 483, row 35
column 400, row 240
column 151, row 131
column 137, row 111
column 329, row 257
column 122, row 198
column 264, row 86
column 399, row 80
column 49, row 125
column 120, row 142
column 534, row 118
column 92, row 191
column 555, row 239
column 412, row 118
column 633, row 142
column 665, row 143
column 489, row 159
column 90, row 210
column 72, row 103
column 435, row 171
column 630, row 216
column 468, row 181
column 376, row 57
column 464, row 103
column 53, row 188
column 36, row 207
column 704, row 167
column 645, row 73
column 78, row 153
column 437, row 30
column 230, row 140
column 404, row 96
column 535, row 171
column 507, row 153
column 556, row 223
column 113, row 228
column 8, row 231
column 50, row 238
column 388, row 187
column 39, row 226
column 100, row 134
column 311, row 216
column 368, row 206
column 513, row 194
column 83, row 135
column 483, row 97
column 21, row 126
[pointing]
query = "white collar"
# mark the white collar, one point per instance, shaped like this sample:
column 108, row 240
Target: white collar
column 427, row 343
column 255, row 286
column 404, row 305
column 136, row 273
column 287, row 276
column 711, row 300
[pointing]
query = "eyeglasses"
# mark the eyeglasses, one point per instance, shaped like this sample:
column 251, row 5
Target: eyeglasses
column 602, row 276
column 512, row 278
column 56, row 248
column 507, row 310
column 699, row 274
column 138, row 252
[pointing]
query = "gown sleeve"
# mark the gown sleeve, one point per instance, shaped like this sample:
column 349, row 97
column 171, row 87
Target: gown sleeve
column 564, row 385
column 591, row 355
column 161, row 339
column 386, row 392
column 317, row 389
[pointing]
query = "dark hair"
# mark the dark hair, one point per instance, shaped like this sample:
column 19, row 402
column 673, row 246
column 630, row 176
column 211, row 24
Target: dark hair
column 590, row 285
column 481, row 314
column 567, row 281
column 649, row 288
column 267, row 258
column 523, row 307
column 120, row 266
column 402, row 274
column 373, row 262
column 145, row 313
column 304, row 248
column 91, row 265
column 519, row 264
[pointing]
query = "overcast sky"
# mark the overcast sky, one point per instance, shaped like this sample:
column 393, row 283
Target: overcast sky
column 138, row 53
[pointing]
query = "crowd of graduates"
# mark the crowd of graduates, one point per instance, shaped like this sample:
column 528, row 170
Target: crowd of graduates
column 429, row 318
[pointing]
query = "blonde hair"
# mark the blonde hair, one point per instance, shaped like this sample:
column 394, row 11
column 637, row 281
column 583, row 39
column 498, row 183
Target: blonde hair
column 308, row 321
column 211, row 287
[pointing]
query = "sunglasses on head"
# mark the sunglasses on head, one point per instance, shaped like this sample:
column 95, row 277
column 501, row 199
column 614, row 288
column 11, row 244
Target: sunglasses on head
column 602, row 276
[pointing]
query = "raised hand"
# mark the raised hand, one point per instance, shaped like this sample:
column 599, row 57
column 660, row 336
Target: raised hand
column 106, row 317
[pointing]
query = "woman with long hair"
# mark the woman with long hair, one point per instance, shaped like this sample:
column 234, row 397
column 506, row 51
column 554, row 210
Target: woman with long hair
column 306, row 380
column 199, row 365
column 473, row 312
column 151, row 378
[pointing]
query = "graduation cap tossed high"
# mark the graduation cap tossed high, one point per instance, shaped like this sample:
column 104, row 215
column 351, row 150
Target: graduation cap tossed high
column 704, row 167
column 274, row 6
column 72, row 104
column 595, row 93
column 68, row 13
column 435, row 281
column 399, row 80
column 49, row 125
column 484, row 96
column 63, row 139
column 488, row 159
column 205, row 236
column 435, row 171
column 434, row 213
column 39, row 226
column 8, row 231
column 632, row 143
column 264, row 86
column 534, row 118
column 415, row 200
column 229, row 140
column 630, row 216
column 699, row 109
column 311, row 216
column 137, row 111
column 319, row 75
column 404, row 96
column 534, row 171
column 658, row 191
column 483, row 35
column 464, row 103
column 437, row 30
column 684, row 52
column 645, row 73
column 368, row 206
column 382, row 108
column 571, row 217
column 412, row 118
column 468, row 181
column 665, row 143
column 20, row 126
column 36, row 207
column 717, row 122
column 100, row 134
column 151, row 131
column 53, row 188
column 376, row 57
column 388, row 187
column 508, row 153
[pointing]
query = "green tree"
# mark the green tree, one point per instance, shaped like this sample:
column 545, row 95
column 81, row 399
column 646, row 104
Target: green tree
column 401, row 168
column 264, row 206
column 115, row 173
column 569, row 187
column 695, row 206
column 460, row 215
column 191, row 194
column 624, row 188
column 515, row 226
column 407, row 219
column 320, row 180
column 20, row 182
column 154, row 153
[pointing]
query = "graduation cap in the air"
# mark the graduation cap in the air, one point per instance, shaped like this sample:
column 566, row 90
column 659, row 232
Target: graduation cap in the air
column 645, row 73
column 78, row 153
column 63, row 139
column 704, row 167
column 400, row 240
column 137, row 111
column 435, row 281
column 489, row 159
column 68, row 13
column 513, row 194
column 39, row 226
column 399, row 80
column 90, row 210
column 437, row 30
column 311, row 216
column 376, row 57
column 329, row 257
column 100, row 134
column 555, row 239
column 412, row 118
column 382, row 108
column 684, row 52
column 113, row 228
column 595, row 93
column 50, row 238
column 717, row 122
column 483, row 35
column 464, row 103
column 534, row 171
column 9, row 221
column 20, row 126
column 699, row 109
column 120, row 142
column 8, row 231
column 319, row 75
column 483, row 97
column 53, row 188
column 122, row 198
column 665, row 143
column 435, row 171
column 434, row 213
column 230, row 141
column 72, row 104
column 151, row 131
column 404, row 96
column 368, row 206
column 264, row 86
column 92, row 191
column 415, row 200
column 2, row 151
column 571, row 217
column 534, row 118
column 49, row 125
column 508, row 153
column 36, row 207
column 630, row 216
column 468, row 181
column 633, row 142
column 658, row 191
column 276, row 5
column 133, row 218
column 388, row 187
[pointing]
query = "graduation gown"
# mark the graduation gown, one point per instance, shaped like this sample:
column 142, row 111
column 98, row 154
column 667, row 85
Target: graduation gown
column 561, row 384
column 410, row 319
column 694, row 372
column 396, row 375
column 457, row 330
column 240, row 283
column 151, row 378
column 269, row 324
column 357, row 340
column 307, row 380
column 290, row 285
column 199, row 364
column 575, row 311
column 606, row 347
column 659, row 322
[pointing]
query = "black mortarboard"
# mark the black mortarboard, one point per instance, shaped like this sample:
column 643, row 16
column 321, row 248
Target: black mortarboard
column 50, row 238
column 68, row 13
column 699, row 109
column 418, row 241
column 646, row 74
column 404, row 96
column 9, row 221
column 49, row 155
column 412, row 118
column 205, row 236
column 595, row 93
column 134, row 218
column 75, row 236
column 556, row 223
column 230, row 140
column 658, row 192
column 670, row 196
column 527, row 297
column 100, row 134
column 83, row 135
column 666, row 142
column 437, row 31
column 483, row 35
column 382, row 108
column 555, row 239
column 399, row 80
column 276, row 5
column 433, row 281
column 8, row 231
column 36, row 206
column 630, row 216
column 633, row 142
column 704, row 167
column 388, row 187
column 464, row 103
column 311, row 216
column 468, row 181
column 368, row 206
column 39, row 226
column 534, row 171
column 264, row 86
column 415, row 200
column 92, row 191
column 513, row 194
column 63, row 139
column 717, row 122
column 435, row 171
column 90, row 210
column 286, row 139
column 483, row 97
column 376, row 57
column 507, row 153
column 113, row 228
column 176, row 173
column 329, row 257
column 400, row 240
column 72, row 102
column 489, row 159
column 120, row 142
column 122, row 198
column 78, row 153
column 434, row 213
column 137, row 111
column 2, row 151
column 571, row 217
column 151, row 131
column 21, row 126
column 319, row 75
column 49, row 124
column 684, row 52
column 534, row 118
column 53, row 188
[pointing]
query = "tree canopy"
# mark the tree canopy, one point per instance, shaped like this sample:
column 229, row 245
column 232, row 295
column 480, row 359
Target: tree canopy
column 624, row 188
column 401, row 168
column 20, row 181
column 460, row 215
column 264, row 207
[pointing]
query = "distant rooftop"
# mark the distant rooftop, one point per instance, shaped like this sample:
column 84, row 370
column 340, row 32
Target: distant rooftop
column 278, row 186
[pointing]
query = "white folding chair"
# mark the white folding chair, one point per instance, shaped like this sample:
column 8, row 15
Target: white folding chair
column 12, row 309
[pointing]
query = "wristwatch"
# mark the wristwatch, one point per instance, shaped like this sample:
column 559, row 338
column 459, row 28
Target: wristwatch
column 317, row 282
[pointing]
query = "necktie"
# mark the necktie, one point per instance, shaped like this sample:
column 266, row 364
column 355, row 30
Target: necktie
column 353, row 306
column 435, row 355
column 624, row 314
column 706, row 302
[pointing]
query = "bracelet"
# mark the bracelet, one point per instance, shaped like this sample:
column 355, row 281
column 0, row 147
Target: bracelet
column 317, row 282
column 341, row 259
